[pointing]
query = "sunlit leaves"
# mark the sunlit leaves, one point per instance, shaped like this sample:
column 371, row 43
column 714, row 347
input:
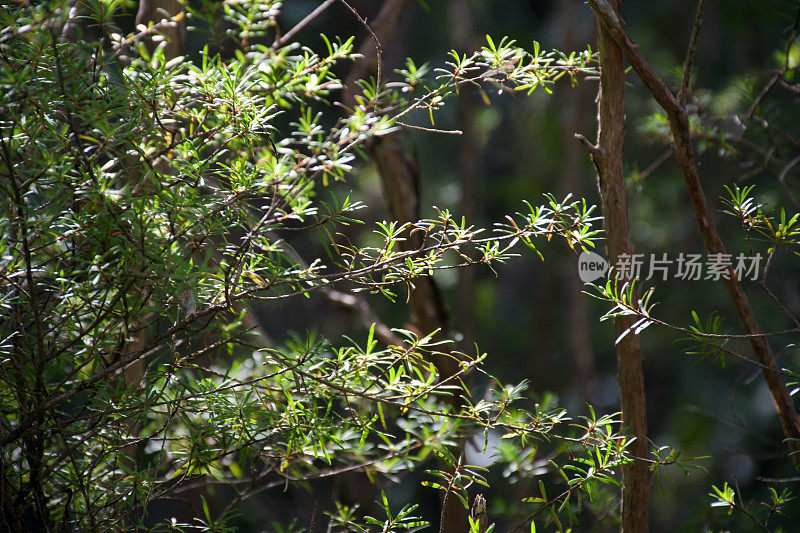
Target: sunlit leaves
column 152, row 197
column 627, row 301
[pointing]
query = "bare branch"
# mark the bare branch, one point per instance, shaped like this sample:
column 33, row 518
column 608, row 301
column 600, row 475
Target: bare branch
column 691, row 51
column 289, row 35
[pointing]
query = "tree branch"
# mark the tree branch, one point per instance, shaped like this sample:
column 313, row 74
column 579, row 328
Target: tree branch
column 691, row 51
column 684, row 151
column 289, row 35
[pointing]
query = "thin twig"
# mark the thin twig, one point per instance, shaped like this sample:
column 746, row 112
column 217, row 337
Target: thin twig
column 792, row 479
column 763, row 93
column 594, row 150
column 302, row 24
column 743, row 508
column 782, row 179
column 656, row 163
column 378, row 46
column 691, row 51
column 778, row 74
column 430, row 130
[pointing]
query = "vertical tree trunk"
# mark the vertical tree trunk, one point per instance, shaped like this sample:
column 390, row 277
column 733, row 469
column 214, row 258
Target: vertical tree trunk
column 399, row 176
column 607, row 156
column 400, row 180
column 153, row 11
column 135, row 336
column 468, row 163
column 574, row 107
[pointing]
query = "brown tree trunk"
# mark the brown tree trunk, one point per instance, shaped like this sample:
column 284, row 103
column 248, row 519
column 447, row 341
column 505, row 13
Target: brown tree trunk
column 149, row 11
column 468, row 161
column 574, row 106
column 468, row 167
column 136, row 334
column 399, row 176
column 607, row 157
column 153, row 11
column 400, row 179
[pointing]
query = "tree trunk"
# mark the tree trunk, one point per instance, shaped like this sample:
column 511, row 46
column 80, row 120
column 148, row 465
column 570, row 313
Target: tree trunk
column 607, row 157
column 400, row 179
column 574, row 108
column 153, row 11
column 468, row 168
column 135, row 336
